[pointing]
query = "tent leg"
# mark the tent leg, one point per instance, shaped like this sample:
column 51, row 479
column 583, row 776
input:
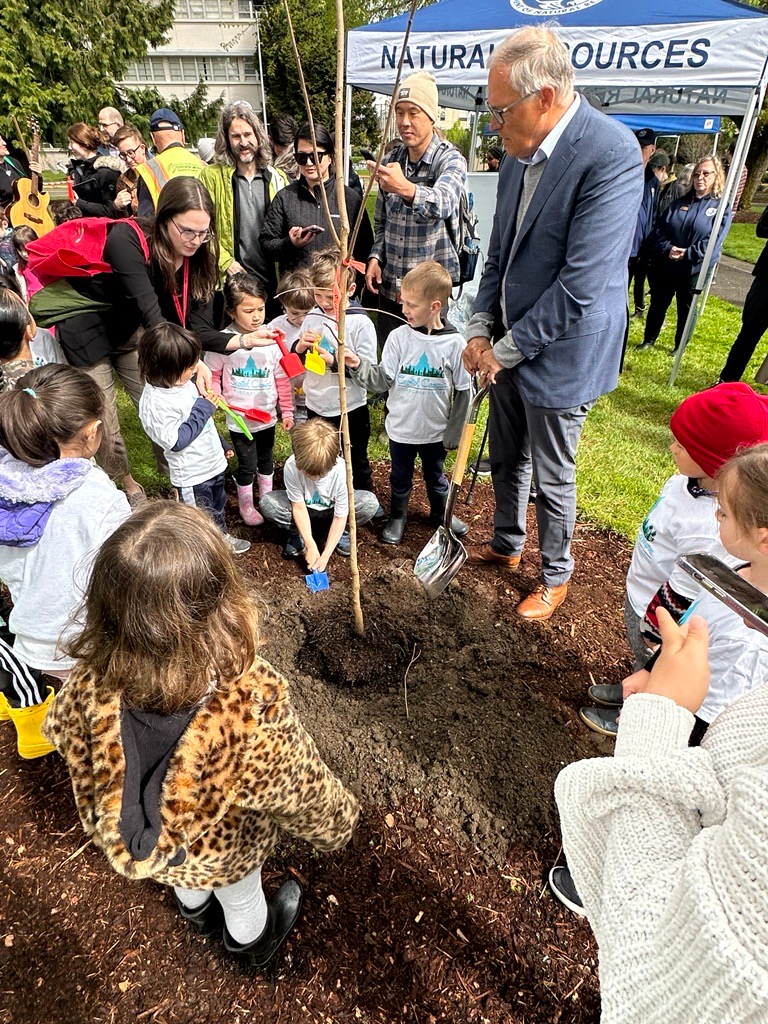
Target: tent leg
column 347, row 132
column 472, row 163
column 701, row 287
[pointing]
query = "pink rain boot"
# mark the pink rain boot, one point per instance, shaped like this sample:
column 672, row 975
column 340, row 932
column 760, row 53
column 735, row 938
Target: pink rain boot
column 265, row 484
column 248, row 512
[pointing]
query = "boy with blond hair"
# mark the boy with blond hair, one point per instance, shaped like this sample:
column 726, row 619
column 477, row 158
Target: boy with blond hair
column 422, row 369
column 316, row 490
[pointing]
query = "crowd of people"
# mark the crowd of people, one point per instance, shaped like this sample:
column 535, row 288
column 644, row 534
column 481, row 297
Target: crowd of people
column 213, row 279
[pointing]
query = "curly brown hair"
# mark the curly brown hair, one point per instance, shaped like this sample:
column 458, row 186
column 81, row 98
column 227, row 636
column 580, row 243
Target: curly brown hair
column 166, row 614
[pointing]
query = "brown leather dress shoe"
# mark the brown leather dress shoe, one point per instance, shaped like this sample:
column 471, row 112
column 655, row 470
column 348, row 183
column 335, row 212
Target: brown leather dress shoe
column 484, row 553
column 540, row 604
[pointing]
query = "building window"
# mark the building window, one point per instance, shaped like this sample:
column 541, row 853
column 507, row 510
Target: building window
column 251, row 74
column 214, row 10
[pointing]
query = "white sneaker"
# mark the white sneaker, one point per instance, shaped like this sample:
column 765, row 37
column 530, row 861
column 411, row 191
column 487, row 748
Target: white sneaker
column 238, row 545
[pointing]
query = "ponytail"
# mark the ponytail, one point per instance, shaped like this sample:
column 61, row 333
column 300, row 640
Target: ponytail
column 49, row 406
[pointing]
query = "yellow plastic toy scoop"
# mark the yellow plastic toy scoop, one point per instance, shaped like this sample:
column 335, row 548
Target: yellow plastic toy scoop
column 314, row 362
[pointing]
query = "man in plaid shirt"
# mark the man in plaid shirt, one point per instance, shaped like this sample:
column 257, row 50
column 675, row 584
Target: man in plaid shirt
column 417, row 208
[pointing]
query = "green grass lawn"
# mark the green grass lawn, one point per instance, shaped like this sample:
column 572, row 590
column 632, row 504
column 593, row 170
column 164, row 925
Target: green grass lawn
column 623, row 455
column 742, row 243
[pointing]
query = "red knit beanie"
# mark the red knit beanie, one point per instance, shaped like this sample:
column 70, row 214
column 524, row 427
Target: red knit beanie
column 712, row 425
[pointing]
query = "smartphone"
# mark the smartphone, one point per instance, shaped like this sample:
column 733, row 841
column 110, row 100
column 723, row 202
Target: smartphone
column 312, row 229
column 727, row 586
column 368, row 155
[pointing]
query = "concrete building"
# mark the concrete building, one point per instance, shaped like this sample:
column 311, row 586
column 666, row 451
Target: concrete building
column 212, row 41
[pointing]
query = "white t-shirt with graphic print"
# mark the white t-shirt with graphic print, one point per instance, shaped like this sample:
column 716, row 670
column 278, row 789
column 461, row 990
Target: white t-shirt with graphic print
column 425, row 370
column 329, row 492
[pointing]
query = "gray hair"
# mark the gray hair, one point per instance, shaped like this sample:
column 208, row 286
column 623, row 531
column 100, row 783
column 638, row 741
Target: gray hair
column 535, row 57
column 245, row 112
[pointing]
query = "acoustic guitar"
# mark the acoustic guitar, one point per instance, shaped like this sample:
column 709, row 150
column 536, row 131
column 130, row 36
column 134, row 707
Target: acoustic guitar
column 30, row 206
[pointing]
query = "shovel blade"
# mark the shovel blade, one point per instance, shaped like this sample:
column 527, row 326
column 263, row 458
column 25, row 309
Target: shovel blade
column 292, row 365
column 439, row 562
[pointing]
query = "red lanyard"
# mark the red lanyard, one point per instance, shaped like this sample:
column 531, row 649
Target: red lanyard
column 182, row 309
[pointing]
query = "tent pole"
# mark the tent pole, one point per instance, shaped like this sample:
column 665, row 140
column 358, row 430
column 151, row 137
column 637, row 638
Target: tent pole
column 347, row 132
column 748, row 126
column 714, row 143
column 472, row 162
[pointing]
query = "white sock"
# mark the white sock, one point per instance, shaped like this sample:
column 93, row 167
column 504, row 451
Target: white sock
column 245, row 908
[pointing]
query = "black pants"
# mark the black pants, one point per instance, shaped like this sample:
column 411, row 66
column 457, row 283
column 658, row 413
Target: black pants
column 209, row 496
column 359, row 435
column 667, row 282
column 253, row 456
column 21, row 685
column 403, row 458
column 638, row 271
column 385, row 322
column 754, row 324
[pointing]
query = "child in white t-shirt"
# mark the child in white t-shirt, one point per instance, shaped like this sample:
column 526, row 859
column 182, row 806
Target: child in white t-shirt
column 179, row 419
column 23, row 345
column 294, row 290
column 316, row 490
column 707, row 429
column 251, row 379
column 422, row 369
column 322, row 392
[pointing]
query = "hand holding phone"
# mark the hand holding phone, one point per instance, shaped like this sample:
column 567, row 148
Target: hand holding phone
column 311, row 230
column 730, row 588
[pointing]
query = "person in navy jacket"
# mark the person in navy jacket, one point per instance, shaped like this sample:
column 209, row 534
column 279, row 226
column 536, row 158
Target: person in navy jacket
column 678, row 247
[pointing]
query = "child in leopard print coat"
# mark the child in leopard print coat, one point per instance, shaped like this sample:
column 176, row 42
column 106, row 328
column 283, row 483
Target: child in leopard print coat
column 185, row 754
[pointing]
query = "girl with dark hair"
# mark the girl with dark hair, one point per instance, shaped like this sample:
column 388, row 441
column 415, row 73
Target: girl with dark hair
column 94, row 177
column 171, row 277
column 56, row 509
column 290, row 234
column 200, row 758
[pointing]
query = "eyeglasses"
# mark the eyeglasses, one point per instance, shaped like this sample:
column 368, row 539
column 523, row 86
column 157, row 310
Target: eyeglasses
column 106, row 124
column 703, row 174
column 309, row 158
column 130, row 154
column 497, row 113
column 189, row 235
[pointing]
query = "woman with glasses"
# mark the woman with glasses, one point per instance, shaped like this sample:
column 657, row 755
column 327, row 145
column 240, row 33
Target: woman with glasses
column 289, row 235
column 133, row 197
column 678, row 245
column 164, row 272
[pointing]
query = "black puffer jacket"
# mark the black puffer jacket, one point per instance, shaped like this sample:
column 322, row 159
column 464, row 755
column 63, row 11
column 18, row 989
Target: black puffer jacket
column 95, row 183
column 298, row 206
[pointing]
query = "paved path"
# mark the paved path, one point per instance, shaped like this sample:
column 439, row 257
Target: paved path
column 733, row 280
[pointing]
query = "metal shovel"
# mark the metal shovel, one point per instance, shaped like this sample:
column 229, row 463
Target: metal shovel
column 444, row 554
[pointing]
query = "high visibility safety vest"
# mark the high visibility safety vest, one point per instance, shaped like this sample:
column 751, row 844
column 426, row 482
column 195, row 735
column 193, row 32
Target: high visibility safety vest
column 171, row 163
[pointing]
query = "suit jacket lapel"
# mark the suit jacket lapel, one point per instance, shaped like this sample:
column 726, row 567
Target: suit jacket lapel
column 515, row 190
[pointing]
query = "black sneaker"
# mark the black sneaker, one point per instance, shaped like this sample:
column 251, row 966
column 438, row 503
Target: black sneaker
column 484, row 467
column 344, row 546
column 293, row 546
column 561, row 884
column 608, row 695
column 602, row 720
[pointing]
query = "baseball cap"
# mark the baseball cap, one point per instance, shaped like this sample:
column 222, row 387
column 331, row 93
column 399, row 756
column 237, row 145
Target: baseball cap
column 165, row 120
column 646, row 136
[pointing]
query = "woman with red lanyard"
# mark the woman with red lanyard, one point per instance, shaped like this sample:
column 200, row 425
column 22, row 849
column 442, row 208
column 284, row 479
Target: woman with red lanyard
column 174, row 283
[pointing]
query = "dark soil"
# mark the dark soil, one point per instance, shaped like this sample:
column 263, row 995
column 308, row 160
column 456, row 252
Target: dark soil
column 451, row 719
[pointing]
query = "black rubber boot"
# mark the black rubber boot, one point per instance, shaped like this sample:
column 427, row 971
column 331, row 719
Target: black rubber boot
column 206, row 920
column 398, row 517
column 437, row 500
column 283, row 911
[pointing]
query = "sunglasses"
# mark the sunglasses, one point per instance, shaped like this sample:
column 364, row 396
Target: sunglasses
column 309, row 158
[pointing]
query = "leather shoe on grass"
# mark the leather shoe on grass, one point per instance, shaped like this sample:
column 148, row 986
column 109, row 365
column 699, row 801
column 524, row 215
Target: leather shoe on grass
column 541, row 604
column 607, row 695
column 602, row 720
column 484, row 553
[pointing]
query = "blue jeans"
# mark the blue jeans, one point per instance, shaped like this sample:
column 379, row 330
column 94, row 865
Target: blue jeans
column 209, row 496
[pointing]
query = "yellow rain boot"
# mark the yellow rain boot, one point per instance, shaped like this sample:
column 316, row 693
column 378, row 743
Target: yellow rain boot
column 27, row 721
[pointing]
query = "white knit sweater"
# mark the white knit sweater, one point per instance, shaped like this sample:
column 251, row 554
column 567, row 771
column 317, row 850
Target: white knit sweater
column 668, row 848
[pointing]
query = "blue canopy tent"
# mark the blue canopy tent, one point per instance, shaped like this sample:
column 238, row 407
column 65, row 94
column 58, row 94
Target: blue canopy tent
column 700, row 57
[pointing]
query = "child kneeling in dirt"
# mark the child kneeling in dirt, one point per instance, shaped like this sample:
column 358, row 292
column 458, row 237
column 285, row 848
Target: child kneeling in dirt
column 422, row 369
column 199, row 756
column 316, row 489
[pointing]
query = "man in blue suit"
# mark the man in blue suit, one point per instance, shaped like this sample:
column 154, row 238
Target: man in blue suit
column 551, row 310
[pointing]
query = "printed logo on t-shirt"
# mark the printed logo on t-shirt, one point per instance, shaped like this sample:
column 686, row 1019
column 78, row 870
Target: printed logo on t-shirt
column 422, row 376
column 252, row 377
column 317, row 502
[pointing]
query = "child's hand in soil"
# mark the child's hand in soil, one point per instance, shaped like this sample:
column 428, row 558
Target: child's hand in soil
column 320, row 564
column 311, row 555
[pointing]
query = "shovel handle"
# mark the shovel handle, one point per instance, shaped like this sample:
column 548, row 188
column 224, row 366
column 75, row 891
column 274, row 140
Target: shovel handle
column 462, row 455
